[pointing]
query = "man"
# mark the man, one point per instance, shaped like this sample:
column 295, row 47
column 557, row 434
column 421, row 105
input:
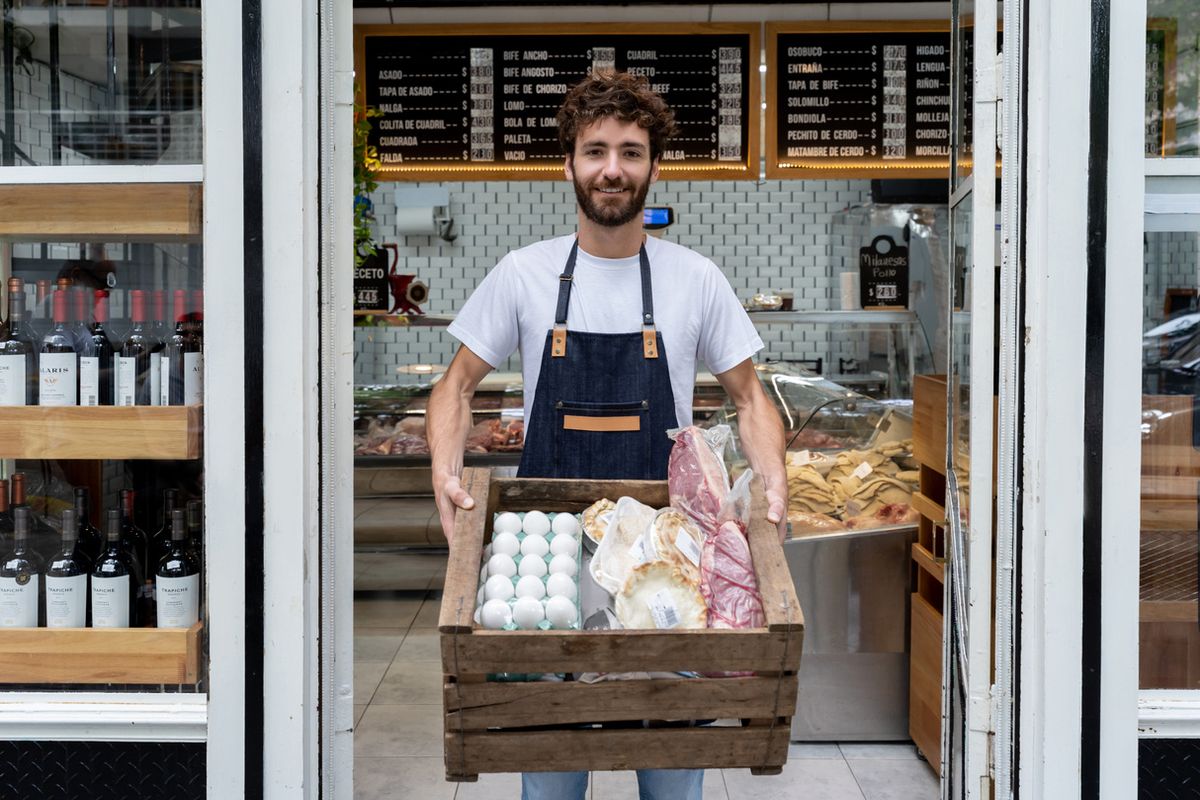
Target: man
column 609, row 325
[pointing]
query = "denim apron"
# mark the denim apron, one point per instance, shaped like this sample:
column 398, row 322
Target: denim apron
column 603, row 402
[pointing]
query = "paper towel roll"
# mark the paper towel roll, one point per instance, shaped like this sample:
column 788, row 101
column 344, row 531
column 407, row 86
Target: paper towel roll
column 415, row 221
column 850, row 299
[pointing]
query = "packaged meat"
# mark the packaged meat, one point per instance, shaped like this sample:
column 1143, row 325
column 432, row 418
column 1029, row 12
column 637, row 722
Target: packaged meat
column 696, row 476
column 675, row 539
column 596, row 518
column 622, row 547
column 727, row 579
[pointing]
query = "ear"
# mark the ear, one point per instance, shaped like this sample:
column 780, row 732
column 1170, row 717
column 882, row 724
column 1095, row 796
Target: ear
column 569, row 166
column 654, row 169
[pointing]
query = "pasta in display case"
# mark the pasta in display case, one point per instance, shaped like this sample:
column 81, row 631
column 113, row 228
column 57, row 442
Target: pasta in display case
column 849, row 457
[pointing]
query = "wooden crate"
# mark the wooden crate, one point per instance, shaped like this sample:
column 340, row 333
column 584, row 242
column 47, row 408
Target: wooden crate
column 108, row 432
column 100, row 655
column 514, row 727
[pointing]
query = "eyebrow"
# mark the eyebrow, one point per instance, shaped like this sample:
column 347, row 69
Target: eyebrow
column 601, row 143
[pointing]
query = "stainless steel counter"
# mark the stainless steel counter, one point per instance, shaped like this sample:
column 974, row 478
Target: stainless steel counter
column 854, row 588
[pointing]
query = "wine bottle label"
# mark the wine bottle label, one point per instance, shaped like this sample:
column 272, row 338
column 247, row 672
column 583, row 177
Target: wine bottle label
column 164, row 381
column 126, row 383
column 110, row 602
column 19, row 601
column 66, row 601
column 193, row 379
column 57, row 379
column 89, row 381
column 178, row 601
column 12, row 380
column 156, row 379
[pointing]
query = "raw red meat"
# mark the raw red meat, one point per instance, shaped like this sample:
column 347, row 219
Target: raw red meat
column 727, row 580
column 696, row 478
column 405, row 444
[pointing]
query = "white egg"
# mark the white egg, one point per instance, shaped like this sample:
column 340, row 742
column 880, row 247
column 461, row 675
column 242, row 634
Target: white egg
column 501, row 564
column 498, row 587
column 479, row 598
column 536, row 523
column 527, row 613
column 483, row 573
column 487, row 552
column 559, row 585
column 495, row 614
column 507, row 543
column 563, row 565
column 507, row 522
column 534, row 545
column 560, row 611
column 533, row 565
column 531, row 586
column 564, row 544
column 565, row 524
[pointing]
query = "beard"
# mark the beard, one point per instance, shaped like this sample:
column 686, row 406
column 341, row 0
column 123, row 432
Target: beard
column 611, row 213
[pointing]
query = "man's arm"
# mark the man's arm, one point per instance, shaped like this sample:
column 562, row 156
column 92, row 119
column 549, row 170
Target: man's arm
column 761, row 433
column 447, row 422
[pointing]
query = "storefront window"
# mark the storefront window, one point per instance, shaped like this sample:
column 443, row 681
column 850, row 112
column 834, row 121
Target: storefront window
column 102, row 490
column 1172, row 78
column 94, row 85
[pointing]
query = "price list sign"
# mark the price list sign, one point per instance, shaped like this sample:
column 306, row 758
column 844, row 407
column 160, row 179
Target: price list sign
column 859, row 104
column 481, row 104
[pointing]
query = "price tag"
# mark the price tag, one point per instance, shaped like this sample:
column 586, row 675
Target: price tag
column 687, row 545
column 664, row 610
column 638, row 552
column 801, row 457
column 862, row 471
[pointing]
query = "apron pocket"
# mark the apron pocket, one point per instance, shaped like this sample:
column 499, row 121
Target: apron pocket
column 601, row 440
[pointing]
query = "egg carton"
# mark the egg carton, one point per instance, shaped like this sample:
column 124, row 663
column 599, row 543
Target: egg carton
column 552, row 561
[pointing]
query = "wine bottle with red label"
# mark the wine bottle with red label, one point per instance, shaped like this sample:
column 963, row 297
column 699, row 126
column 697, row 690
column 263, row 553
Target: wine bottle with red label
column 138, row 363
column 97, row 381
column 18, row 353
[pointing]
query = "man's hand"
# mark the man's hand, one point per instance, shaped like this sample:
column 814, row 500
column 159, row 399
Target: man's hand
column 450, row 496
column 777, row 500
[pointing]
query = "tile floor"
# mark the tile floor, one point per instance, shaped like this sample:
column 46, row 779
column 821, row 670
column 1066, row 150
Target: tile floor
column 398, row 728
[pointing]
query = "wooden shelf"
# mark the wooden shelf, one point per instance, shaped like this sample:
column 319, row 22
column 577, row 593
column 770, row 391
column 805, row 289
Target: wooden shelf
column 100, row 655
column 107, row 432
column 101, row 211
column 928, row 562
column 929, row 509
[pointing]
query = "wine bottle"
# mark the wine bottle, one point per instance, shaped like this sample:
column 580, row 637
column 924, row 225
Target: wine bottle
column 138, row 371
column 18, row 353
column 183, row 360
column 67, row 580
column 42, row 538
column 160, row 542
column 114, row 581
column 158, row 332
column 58, row 363
column 133, row 538
column 20, row 578
column 79, row 323
column 96, row 378
column 40, row 321
column 91, row 542
column 6, row 520
column 177, row 580
column 195, row 516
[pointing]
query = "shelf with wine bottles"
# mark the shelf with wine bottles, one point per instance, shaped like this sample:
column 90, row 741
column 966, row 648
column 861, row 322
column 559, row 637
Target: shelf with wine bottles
column 100, row 655
column 158, row 211
column 102, row 432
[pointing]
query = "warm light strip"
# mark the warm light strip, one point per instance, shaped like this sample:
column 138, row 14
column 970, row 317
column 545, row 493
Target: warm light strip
column 501, row 167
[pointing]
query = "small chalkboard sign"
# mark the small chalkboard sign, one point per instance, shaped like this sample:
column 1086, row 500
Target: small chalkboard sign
column 883, row 274
column 371, row 283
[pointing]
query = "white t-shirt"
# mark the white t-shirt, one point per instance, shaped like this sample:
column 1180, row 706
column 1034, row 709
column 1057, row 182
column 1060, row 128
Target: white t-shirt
column 695, row 310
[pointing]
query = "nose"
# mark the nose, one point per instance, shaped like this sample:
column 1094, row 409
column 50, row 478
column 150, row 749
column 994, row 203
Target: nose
column 612, row 166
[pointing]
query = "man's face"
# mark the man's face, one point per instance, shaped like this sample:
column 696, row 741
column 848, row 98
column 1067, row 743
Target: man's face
column 612, row 171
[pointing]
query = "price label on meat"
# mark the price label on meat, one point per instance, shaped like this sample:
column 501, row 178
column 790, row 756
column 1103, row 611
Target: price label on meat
column 482, row 103
column 859, row 103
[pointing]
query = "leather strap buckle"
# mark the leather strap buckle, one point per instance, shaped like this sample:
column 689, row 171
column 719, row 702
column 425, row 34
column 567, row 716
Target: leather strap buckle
column 558, row 343
column 649, row 342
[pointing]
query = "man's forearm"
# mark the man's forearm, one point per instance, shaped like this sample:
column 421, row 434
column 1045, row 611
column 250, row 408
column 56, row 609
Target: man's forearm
column 761, row 434
column 447, row 423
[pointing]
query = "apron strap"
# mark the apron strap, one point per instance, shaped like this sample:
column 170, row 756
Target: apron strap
column 559, row 337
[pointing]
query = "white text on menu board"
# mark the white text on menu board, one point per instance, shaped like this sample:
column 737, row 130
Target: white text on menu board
column 819, row 109
column 932, row 100
column 405, row 132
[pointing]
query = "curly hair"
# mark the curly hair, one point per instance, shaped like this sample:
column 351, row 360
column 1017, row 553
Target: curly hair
column 626, row 97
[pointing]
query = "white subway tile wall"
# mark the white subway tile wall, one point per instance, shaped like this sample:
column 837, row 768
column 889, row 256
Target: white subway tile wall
column 768, row 235
column 1172, row 262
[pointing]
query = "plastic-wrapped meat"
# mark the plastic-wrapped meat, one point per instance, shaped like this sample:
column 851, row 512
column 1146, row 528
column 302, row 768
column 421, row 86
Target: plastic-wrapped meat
column 696, row 475
column 727, row 580
column 404, row 444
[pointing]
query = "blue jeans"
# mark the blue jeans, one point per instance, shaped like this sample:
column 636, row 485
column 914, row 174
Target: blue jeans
column 653, row 784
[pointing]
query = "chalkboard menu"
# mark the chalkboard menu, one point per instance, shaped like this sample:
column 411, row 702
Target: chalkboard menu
column 480, row 103
column 858, row 102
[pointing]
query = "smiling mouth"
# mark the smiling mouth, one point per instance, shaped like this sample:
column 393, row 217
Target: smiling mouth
column 617, row 190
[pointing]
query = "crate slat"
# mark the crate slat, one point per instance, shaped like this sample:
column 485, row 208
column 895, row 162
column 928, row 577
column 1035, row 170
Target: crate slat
column 702, row 650
column 100, row 655
column 462, row 568
column 775, row 586
column 473, row 753
column 473, row 706
column 561, row 494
